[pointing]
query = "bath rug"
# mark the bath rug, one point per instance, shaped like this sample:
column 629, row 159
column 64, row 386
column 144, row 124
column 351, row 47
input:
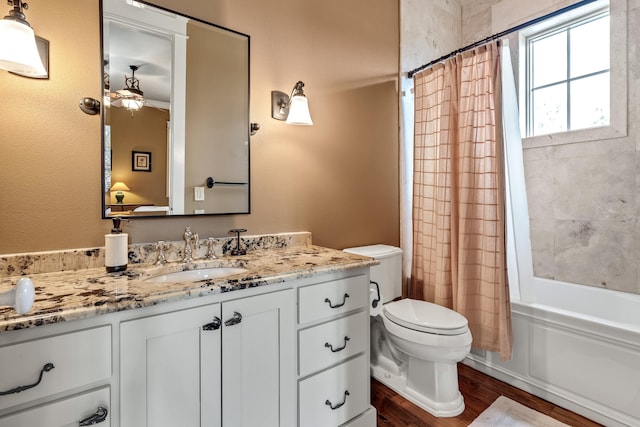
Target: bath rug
column 505, row 412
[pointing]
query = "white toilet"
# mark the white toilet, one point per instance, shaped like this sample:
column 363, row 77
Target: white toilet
column 415, row 345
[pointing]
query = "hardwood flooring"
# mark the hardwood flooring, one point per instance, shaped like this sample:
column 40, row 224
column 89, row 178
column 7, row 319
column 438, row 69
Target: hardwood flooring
column 479, row 391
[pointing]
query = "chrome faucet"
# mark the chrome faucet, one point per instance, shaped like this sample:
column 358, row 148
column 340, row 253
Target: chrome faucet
column 189, row 238
column 161, row 246
column 210, row 243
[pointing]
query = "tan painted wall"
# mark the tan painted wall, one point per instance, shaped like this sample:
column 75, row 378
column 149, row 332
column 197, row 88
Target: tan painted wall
column 146, row 131
column 337, row 179
column 216, row 125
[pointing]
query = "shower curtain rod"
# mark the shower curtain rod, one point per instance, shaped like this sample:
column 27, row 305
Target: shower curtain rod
column 501, row 34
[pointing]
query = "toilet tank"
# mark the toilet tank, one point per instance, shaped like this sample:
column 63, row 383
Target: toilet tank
column 388, row 274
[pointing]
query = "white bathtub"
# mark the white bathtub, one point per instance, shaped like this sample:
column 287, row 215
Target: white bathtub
column 578, row 347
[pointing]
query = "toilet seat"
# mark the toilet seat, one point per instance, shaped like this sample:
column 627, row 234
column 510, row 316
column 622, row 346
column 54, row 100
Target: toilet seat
column 426, row 317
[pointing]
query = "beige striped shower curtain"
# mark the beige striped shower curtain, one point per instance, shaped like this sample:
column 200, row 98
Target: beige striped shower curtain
column 459, row 250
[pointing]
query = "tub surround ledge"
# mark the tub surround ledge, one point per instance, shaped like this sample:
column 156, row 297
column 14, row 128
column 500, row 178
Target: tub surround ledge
column 85, row 292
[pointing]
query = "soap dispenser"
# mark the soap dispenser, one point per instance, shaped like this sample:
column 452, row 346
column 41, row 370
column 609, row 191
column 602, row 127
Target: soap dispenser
column 116, row 248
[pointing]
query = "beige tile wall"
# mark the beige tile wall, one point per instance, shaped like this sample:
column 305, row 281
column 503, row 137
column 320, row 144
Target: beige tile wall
column 584, row 198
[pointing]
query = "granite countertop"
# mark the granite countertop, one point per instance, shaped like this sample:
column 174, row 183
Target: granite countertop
column 82, row 293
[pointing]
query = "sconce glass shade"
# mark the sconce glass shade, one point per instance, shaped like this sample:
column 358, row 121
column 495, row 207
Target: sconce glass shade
column 299, row 111
column 18, row 50
column 119, row 187
column 294, row 108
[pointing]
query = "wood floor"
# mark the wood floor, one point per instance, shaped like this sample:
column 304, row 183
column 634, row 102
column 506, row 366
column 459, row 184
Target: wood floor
column 479, row 391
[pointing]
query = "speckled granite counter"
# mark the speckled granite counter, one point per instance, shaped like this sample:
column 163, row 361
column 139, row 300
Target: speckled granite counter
column 68, row 295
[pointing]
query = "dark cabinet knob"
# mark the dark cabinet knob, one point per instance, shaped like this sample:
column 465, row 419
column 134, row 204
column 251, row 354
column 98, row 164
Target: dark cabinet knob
column 213, row 326
column 97, row 418
column 237, row 318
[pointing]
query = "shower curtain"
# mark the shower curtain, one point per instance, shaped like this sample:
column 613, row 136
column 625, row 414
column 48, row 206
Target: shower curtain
column 459, row 250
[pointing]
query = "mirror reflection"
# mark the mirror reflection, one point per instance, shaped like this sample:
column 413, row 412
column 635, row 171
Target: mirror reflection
column 176, row 116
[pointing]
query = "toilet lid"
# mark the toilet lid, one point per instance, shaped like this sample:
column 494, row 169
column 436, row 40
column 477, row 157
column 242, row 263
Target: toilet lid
column 426, row 317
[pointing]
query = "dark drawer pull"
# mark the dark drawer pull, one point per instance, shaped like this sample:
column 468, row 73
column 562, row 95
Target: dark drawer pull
column 97, row 418
column 237, row 318
column 344, row 301
column 46, row 368
column 339, row 405
column 330, row 347
column 213, row 326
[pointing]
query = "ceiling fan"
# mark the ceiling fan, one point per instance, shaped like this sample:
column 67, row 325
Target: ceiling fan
column 131, row 97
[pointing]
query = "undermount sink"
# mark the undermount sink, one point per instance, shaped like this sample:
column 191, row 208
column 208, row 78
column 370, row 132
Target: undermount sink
column 196, row 275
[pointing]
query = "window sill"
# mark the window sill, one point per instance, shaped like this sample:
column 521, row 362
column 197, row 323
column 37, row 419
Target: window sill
column 613, row 131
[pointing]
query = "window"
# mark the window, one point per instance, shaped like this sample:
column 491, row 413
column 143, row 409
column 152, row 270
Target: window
column 568, row 77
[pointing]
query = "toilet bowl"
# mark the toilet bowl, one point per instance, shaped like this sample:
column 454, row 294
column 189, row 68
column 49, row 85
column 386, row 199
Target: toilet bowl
column 415, row 345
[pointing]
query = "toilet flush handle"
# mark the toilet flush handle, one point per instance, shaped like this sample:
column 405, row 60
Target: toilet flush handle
column 375, row 302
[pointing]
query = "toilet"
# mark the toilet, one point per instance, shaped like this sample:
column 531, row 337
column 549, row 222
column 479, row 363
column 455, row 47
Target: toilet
column 415, row 345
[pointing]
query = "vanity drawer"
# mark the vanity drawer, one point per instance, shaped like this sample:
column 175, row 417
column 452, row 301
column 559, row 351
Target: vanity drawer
column 343, row 388
column 324, row 345
column 320, row 301
column 66, row 412
column 79, row 358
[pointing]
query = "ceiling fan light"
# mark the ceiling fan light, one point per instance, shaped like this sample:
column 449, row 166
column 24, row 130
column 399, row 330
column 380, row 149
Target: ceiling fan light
column 131, row 97
column 133, row 103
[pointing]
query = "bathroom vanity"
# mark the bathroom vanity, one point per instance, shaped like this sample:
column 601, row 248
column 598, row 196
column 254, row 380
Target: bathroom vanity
column 283, row 343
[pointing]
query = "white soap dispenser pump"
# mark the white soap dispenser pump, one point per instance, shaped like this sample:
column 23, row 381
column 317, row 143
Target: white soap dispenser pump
column 116, row 248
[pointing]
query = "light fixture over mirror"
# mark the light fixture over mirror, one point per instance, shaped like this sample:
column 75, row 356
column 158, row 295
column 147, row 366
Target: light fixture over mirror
column 193, row 120
column 18, row 49
column 294, row 109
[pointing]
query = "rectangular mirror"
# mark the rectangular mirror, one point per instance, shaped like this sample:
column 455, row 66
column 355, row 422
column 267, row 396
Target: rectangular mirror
column 175, row 114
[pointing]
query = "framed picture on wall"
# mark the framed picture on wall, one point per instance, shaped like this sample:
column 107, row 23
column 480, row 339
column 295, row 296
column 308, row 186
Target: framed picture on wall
column 141, row 161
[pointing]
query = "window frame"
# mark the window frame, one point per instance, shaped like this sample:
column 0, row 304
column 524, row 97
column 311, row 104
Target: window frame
column 617, row 127
column 565, row 27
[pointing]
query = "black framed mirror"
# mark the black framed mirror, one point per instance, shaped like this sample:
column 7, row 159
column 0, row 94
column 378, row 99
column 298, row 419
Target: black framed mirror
column 175, row 114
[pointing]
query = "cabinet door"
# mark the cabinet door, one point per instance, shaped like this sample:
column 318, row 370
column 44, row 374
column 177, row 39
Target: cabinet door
column 258, row 356
column 170, row 369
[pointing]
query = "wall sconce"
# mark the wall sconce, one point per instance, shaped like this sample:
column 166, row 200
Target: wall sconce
column 119, row 187
column 21, row 51
column 294, row 109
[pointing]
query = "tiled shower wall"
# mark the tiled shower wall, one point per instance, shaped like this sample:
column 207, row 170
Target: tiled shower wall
column 584, row 198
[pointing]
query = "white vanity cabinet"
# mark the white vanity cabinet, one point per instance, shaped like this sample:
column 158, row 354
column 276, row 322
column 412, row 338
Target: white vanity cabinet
column 333, row 349
column 228, row 363
column 294, row 353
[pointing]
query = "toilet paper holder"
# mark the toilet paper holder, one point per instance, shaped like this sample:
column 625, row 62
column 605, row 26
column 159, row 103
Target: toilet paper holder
column 375, row 302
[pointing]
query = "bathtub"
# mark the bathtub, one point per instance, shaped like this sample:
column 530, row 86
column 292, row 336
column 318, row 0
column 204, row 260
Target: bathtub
column 576, row 346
